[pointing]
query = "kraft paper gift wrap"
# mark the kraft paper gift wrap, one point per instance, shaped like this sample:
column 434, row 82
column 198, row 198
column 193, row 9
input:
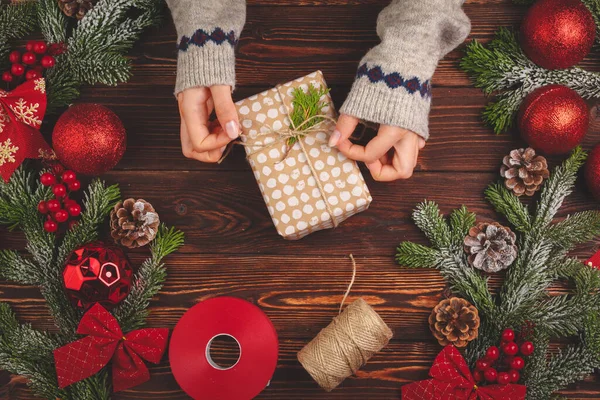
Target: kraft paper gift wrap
column 309, row 186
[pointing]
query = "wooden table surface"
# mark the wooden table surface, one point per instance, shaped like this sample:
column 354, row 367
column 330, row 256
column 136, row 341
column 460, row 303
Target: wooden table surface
column 231, row 245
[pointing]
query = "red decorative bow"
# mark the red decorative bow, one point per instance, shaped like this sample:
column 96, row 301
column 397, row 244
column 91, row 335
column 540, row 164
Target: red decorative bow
column 21, row 114
column 594, row 261
column 452, row 380
column 105, row 341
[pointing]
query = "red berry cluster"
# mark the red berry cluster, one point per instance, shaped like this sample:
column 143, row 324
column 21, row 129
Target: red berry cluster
column 61, row 207
column 503, row 365
column 30, row 63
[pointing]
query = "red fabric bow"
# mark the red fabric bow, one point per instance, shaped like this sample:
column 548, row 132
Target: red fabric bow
column 105, row 341
column 452, row 380
column 21, row 114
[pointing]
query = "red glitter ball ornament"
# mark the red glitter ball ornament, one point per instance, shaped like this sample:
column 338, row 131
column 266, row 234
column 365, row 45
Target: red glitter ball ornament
column 558, row 34
column 96, row 273
column 592, row 172
column 554, row 119
column 89, row 139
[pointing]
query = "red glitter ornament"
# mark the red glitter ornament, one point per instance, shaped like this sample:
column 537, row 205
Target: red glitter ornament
column 554, row 119
column 96, row 273
column 89, row 139
column 558, row 34
column 592, row 172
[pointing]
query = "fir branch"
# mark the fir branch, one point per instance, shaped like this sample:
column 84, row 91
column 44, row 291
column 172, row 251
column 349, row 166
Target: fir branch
column 461, row 221
column 506, row 203
column 575, row 229
column 17, row 19
column 15, row 268
column 148, row 280
column 558, row 187
column 414, row 255
column 428, row 218
column 53, row 22
column 62, row 86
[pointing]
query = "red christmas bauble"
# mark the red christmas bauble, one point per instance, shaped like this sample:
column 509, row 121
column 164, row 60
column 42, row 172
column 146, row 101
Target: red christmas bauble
column 89, row 139
column 96, row 273
column 592, row 172
column 554, row 119
column 558, row 34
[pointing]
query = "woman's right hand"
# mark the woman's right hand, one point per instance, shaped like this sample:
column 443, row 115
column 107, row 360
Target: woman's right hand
column 202, row 139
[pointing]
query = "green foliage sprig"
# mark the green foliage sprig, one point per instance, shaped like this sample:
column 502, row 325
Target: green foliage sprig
column 501, row 68
column 306, row 107
column 28, row 352
column 96, row 46
column 524, row 297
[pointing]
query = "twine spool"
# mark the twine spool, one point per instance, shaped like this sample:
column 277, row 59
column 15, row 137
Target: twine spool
column 346, row 345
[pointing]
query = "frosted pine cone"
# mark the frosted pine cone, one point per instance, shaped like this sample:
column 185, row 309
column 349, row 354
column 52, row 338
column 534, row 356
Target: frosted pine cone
column 524, row 171
column 76, row 8
column 134, row 223
column 491, row 247
column 454, row 321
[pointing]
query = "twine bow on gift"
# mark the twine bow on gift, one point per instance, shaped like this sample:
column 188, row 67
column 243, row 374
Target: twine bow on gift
column 452, row 380
column 21, row 114
column 105, row 341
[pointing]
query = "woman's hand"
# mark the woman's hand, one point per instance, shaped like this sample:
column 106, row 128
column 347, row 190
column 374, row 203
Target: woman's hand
column 201, row 139
column 391, row 155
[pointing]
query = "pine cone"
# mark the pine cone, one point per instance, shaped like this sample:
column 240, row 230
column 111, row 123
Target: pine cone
column 454, row 321
column 134, row 223
column 76, row 8
column 524, row 172
column 491, row 247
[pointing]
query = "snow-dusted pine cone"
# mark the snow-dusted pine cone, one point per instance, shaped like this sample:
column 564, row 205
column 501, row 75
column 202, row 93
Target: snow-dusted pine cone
column 76, row 8
column 134, row 223
column 524, row 171
column 491, row 247
column 454, row 321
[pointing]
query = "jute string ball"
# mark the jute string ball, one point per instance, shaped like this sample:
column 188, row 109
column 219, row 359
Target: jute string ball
column 346, row 345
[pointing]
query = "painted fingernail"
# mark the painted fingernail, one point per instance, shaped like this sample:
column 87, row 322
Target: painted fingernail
column 232, row 129
column 335, row 138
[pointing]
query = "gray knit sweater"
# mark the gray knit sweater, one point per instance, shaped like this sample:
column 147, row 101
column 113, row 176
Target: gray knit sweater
column 393, row 83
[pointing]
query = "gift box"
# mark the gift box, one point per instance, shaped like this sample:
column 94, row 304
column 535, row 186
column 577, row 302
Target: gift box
column 307, row 185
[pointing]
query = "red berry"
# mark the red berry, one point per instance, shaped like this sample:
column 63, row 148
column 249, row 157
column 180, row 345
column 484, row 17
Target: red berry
column 510, row 348
column 492, row 353
column 40, row 47
column 28, row 58
column 74, row 210
column 42, row 207
column 48, row 179
column 29, row 45
column 503, row 378
column 14, row 57
column 17, row 69
column 48, row 61
column 508, row 335
column 477, row 375
column 53, row 205
column 50, row 226
column 61, row 216
column 31, row 74
column 69, row 176
column 482, row 364
column 59, row 190
column 517, row 363
column 74, row 186
column 514, row 376
column 527, row 349
column 7, row 76
column 490, row 375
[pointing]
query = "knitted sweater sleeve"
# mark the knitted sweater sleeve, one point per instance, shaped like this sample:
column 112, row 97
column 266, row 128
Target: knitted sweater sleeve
column 207, row 32
column 393, row 83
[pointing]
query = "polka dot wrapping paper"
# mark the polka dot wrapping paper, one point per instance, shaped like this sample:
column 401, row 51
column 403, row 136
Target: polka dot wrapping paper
column 308, row 186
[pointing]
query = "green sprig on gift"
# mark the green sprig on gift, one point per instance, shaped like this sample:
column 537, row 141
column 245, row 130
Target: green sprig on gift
column 27, row 352
column 307, row 107
column 523, row 298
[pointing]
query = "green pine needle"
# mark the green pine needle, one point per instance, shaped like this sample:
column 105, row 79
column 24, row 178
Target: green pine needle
column 307, row 105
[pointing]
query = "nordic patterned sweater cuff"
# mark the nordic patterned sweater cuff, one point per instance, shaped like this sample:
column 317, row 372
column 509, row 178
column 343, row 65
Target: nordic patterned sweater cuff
column 212, row 64
column 406, row 105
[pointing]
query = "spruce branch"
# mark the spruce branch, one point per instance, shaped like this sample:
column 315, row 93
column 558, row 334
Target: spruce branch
column 461, row 221
column 148, row 280
column 14, row 267
column 428, row 218
column 53, row 22
column 575, row 229
column 506, row 203
column 413, row 255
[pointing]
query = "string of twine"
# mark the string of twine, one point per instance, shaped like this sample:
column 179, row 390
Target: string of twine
column 297, row 133
column 344, row 346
